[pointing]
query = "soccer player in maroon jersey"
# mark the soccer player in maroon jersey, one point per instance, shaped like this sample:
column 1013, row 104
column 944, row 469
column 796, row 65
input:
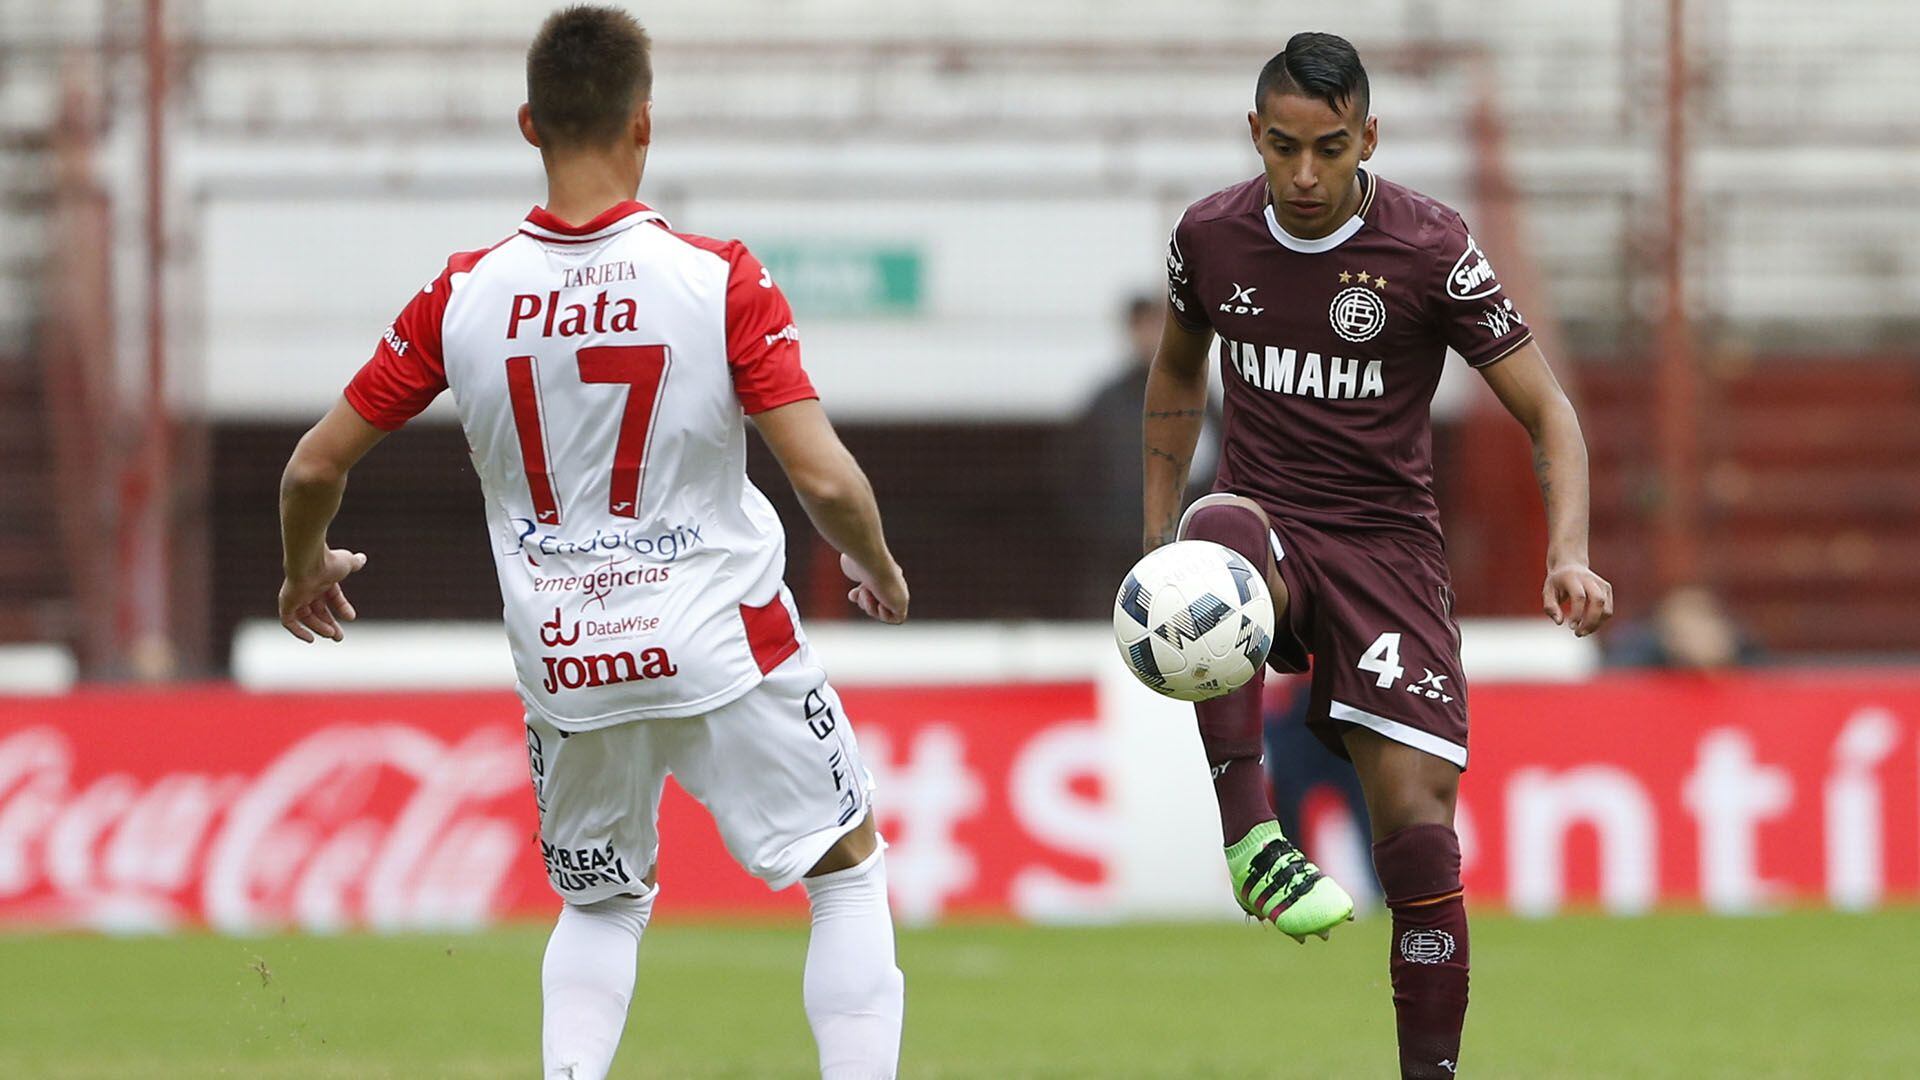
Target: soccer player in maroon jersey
column 1336, row 295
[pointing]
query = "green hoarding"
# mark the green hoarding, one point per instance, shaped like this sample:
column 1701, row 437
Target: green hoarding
column 846, row 278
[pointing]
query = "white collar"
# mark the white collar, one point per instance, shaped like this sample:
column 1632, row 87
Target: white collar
column 1312, row 247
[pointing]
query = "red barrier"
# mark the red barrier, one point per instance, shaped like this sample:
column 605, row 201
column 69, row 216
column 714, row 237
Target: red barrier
column 243, row 811
column 1735, row 792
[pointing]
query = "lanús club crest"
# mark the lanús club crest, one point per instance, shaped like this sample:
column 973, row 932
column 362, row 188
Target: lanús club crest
column 1426, row 946
column 1357, row 314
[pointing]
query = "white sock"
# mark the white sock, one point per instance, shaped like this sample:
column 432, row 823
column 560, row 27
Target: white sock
column 854, row 994
column 586, row 982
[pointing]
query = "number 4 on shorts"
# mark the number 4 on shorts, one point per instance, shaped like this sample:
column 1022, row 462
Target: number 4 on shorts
column 1383, row 659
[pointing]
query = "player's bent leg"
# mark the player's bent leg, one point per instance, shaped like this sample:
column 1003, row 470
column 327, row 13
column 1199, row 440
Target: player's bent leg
column 1411, row 795
column 1230, row 724
column 597, row 793
column 1403, row 786
column 854, row 993
column 781, row 773
column 586, row 983
column 1272, row 880
column 1233, row 533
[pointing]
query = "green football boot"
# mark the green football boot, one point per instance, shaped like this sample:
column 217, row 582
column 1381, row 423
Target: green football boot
column 1275, row 883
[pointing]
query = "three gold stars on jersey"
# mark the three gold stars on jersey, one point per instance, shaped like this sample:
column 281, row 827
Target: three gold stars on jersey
column 1364, row 278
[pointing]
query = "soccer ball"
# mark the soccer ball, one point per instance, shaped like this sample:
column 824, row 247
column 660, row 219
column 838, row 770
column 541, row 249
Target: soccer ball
column 1193, row 620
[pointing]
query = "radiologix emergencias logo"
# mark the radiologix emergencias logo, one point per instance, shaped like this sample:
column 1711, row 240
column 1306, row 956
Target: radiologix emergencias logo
column 650, row 544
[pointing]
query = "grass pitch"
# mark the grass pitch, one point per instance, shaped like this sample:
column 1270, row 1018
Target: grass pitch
column 1796, row 995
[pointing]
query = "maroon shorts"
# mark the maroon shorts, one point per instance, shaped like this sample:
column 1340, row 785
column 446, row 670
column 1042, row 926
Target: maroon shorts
column 1374, row 611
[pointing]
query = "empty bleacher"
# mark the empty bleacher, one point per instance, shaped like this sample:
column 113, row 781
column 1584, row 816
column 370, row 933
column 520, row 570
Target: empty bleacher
column 962, row 119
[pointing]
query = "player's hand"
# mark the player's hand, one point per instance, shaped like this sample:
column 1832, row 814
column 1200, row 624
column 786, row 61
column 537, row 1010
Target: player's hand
column 313, row 603
column 880, row 596
column 1575, row 596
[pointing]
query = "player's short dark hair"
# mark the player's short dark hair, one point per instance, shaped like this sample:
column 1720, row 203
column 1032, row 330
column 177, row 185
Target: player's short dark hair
column 1324, row 67
column 1140, row 305
column 586, row 70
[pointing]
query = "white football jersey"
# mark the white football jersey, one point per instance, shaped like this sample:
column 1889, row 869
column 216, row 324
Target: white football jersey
column 602, row 373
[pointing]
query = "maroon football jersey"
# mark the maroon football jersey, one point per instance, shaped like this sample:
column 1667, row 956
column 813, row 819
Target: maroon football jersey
column 1331, row 348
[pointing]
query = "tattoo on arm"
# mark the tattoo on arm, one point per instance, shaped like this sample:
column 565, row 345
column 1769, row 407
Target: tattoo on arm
column 1543, row 471
column 1170, row 414
column 1178, row 462
column 1167, row 533
column 1169, row 526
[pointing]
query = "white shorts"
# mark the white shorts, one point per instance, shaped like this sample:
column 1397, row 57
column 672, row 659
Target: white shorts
column 777, row 768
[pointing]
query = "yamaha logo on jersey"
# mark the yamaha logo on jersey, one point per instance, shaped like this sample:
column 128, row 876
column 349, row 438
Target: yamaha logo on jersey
column 1426, row 946
column 1305, row 374
column 1357, row 314
column 1472, row 275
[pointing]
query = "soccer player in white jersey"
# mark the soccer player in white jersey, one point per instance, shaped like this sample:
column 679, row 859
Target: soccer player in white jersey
column 601, row 364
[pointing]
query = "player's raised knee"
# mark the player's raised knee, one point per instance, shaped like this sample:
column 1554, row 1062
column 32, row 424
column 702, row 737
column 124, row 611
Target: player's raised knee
column 1237, row 522
column 1220, row 511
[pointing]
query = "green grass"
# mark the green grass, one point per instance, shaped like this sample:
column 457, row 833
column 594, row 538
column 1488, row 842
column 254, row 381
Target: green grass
column 1797, row 995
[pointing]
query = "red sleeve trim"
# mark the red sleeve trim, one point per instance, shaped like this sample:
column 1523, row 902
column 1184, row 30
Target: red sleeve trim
column 768, row 402
column 763, row 345
column 368, row 411
column 408, row 368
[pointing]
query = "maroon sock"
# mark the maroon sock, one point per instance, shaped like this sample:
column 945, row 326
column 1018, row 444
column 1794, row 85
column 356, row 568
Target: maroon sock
column 1419, row 868
column 1230, row 725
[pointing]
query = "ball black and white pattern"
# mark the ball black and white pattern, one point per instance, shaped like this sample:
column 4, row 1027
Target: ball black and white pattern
column 1193, row 620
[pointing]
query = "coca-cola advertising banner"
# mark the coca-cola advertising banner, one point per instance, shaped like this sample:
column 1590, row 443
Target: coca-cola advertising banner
column 148, row 810
column 213, row 806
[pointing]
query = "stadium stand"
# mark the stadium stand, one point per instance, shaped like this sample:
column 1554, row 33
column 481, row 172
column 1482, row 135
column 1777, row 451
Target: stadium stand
column 921, row 114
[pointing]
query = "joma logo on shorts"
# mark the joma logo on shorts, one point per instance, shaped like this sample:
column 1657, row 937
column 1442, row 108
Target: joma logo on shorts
column 605, row 669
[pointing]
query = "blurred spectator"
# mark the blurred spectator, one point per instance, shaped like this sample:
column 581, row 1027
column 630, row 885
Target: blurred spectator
column 1689, row 631
column 1100, row 463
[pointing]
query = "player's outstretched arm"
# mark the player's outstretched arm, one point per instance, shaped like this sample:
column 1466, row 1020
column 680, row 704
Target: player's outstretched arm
column 1573, row 595
column 311, row 600
column 840, row 502
column 1176, row 407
